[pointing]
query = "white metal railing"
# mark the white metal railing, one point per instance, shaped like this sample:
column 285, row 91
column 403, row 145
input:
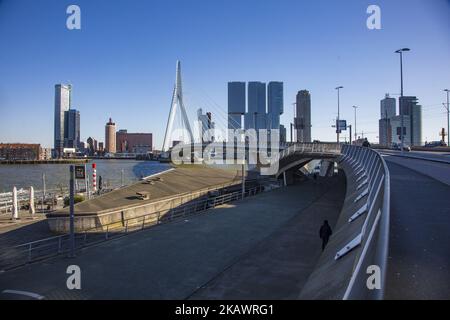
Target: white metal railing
column 370, row 175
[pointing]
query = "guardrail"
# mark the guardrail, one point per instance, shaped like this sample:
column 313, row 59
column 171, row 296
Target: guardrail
column 320, row 148
column 369, row 176
column 45, row 248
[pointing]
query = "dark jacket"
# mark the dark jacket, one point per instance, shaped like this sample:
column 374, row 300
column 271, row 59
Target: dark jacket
column 325, row 231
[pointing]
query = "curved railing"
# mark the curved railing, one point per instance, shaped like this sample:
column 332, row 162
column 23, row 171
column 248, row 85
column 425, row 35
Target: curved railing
column 368, row 175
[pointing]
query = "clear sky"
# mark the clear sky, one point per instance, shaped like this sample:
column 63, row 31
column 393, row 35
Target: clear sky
column 122, row 62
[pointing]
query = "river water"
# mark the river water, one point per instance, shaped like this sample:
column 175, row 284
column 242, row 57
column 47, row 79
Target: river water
column 57, row 175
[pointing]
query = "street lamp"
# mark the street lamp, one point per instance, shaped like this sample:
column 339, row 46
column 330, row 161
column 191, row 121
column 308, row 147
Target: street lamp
column 400, row 51
column 448, row 118
column 338, row 129
column 356, row 135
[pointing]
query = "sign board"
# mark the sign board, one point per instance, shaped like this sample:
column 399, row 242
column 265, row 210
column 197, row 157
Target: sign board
column 341, row 125
column 80, row 172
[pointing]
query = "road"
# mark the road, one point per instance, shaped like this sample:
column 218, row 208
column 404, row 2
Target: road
column 419, row 253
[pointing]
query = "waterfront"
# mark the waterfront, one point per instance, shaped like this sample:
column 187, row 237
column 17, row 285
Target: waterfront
column 57, row 175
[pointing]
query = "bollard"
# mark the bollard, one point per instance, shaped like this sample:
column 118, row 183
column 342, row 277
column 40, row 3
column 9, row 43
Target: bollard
column 15, row 209
column 94, row 178
column 32, row 209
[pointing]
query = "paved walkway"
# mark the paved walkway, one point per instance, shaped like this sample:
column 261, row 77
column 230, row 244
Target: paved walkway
column 174, row 261
column 26, row 229
column 419, row 248
column 279, row 266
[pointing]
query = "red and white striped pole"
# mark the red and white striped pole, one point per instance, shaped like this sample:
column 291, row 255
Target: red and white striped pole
column 94, row 177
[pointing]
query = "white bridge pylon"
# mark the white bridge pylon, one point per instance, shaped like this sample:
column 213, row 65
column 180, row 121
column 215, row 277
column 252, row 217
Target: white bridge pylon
column 177, row 103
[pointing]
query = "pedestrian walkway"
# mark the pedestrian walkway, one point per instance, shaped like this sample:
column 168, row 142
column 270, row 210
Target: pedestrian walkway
column 277, row 229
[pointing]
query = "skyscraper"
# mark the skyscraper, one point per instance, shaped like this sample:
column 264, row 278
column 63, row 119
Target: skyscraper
column 256, row 116
column 385, row 131
column 62, row 104
column 275, row 104
column 283, row 133
column 205, row 126
column 409, row 107
column 72, row 129
column 387, row 112
column 110, row 137
column 303, row 119
column 236, row 104
column 387, row 107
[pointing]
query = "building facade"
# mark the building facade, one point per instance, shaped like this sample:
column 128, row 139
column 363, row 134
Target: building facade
column 62, row 104
column 72, row 129
column 92, row 146
column 409, row 107
column 20, row 151
column 205, row 127
column 385, row 132
column 275, row 104
column 236, row 104
column 387, row 107
column 283, row 134
column 396, row 125
column 133, row 142
column 256, row 116
column 302, row 121
column 110, row 137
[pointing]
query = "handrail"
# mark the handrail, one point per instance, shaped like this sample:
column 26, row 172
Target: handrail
column 374, row 235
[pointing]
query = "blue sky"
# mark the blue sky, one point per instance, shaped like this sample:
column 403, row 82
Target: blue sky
column 122, row 62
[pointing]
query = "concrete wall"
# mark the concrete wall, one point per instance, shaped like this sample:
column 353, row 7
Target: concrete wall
column 116, row 218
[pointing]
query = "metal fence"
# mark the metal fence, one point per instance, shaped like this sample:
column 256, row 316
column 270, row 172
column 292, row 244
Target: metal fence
column 41, row 249
column 369, row 175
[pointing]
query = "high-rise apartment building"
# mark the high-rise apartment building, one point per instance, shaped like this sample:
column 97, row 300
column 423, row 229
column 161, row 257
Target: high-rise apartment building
column 92, row 146
column 72, row 129
column 387, row 107
column 303, row 119
column 385, row 131
column 283, row 134
column 256, row 116
column 62, row 104
column 110, row 137
column 409, row 107
column 275, row 104
column 236, row 104
column 206, row 126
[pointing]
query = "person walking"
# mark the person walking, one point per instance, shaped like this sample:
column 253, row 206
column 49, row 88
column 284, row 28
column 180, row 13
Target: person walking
column 325, row 233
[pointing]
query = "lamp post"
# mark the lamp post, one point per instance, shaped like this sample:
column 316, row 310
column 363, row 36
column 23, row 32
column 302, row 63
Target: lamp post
column 448, row 118
column 400, row 51
column 338, row 129
column 356, row 135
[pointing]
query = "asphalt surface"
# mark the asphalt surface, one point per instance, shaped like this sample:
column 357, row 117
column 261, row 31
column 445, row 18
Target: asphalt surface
column 174, row 261
column 419, row 253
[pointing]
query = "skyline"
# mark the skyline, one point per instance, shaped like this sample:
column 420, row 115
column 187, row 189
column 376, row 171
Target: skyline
column 125, row 70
